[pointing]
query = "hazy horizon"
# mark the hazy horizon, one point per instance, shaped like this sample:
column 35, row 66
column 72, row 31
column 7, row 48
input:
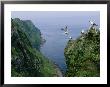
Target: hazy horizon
column 58, row 18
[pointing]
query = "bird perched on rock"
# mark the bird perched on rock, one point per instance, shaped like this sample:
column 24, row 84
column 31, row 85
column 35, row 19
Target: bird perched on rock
column 70, row 37
column 82, row 32
column 93, row 25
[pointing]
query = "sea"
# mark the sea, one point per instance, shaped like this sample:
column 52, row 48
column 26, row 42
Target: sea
column 56, row 41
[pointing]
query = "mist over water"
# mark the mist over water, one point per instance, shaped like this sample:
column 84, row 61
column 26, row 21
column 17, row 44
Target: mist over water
column 50, row 24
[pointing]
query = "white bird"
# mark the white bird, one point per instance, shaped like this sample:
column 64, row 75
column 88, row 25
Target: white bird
column 92, row 23
column 70, row 37
column 82, row 32
column 65, row 30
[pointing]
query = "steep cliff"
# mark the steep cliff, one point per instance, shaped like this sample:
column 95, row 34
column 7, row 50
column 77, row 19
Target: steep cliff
column 31, row 31
column 83, row 55
column 26, row 59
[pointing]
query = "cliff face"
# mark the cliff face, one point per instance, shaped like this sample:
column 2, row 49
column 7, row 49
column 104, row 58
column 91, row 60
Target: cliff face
column 32, row 32
column 26, row 59
column 83, row 55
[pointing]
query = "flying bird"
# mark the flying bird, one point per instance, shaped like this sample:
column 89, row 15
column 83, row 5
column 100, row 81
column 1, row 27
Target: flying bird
column 65, row 30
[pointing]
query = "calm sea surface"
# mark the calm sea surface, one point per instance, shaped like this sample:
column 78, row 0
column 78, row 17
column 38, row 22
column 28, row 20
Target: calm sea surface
column 56, row 42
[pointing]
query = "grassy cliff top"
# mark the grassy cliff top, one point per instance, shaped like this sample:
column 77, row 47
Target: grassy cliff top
column 83, row 55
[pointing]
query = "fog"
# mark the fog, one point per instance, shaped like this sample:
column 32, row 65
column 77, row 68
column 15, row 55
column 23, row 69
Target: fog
column 58, row 18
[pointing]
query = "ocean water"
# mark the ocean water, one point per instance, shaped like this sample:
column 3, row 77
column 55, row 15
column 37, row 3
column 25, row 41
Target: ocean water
column 56, row 42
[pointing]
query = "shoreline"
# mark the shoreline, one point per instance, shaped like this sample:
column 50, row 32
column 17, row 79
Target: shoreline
column 59, row 71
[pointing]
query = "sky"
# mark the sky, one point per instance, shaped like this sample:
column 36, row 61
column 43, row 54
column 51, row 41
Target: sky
column 58, row 18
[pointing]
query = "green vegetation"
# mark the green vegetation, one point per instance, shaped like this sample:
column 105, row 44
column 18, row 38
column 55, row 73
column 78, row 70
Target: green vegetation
column 83, row 55
column 32, row 32
column 26, row 59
